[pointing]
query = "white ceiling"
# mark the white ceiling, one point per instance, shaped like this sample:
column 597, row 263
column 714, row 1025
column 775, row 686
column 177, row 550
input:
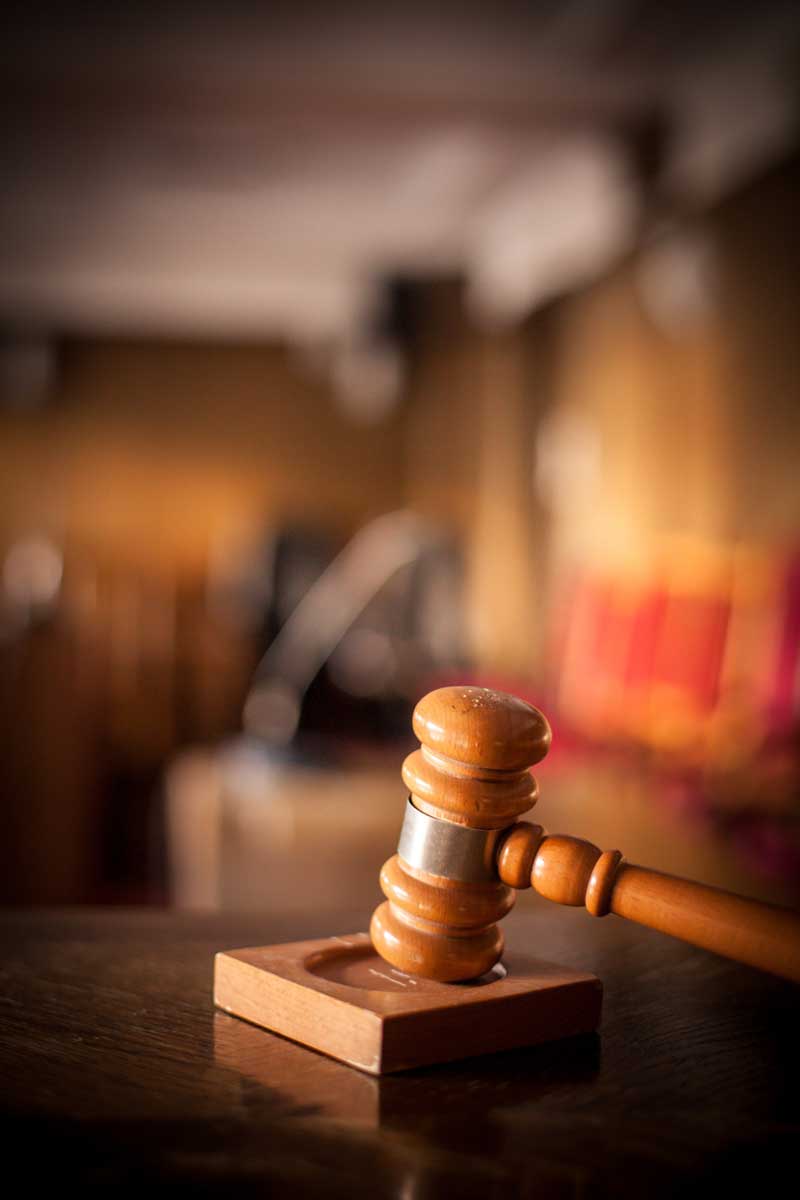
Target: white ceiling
column 253, row 170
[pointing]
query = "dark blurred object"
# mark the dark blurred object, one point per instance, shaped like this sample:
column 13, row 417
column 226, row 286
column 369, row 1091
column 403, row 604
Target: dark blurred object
column 28, row 371
column 355, row 639
column 310, row 788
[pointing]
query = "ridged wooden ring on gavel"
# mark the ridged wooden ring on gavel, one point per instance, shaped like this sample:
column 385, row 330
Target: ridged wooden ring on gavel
column 463, row 852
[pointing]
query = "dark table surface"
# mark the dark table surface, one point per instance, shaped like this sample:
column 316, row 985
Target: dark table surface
column 118, row 1072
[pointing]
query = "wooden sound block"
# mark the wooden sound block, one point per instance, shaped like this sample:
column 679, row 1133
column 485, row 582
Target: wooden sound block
column 336, row 995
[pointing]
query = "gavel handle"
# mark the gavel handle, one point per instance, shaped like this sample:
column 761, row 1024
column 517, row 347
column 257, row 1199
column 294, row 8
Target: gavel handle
column 572, row 871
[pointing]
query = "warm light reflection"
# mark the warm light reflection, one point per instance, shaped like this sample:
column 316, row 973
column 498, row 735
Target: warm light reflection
column 32, row 572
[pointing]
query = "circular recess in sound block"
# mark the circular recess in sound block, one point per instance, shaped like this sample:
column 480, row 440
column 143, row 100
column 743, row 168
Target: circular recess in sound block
column 360, row 967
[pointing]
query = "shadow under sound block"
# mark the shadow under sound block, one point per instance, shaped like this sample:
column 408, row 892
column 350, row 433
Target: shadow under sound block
column 337, row 996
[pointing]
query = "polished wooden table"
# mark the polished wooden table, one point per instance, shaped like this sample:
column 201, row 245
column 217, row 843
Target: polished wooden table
column 118, row 1074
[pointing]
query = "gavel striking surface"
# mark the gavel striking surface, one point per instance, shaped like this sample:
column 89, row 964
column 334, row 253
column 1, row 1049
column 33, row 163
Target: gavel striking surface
column 117, row 1074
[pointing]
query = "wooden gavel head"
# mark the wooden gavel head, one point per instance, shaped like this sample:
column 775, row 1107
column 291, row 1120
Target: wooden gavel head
column 463, row 853
column 443, row 893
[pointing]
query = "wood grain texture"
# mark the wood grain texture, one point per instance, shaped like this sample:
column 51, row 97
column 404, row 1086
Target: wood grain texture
column 337, row 996
column 437, row 952
column 116, row 1067
column 436, row 927
column 457, row 792
column 471, row 769
column 760, row 935
column 482, row 728
column 516, row 854
column 575, row 872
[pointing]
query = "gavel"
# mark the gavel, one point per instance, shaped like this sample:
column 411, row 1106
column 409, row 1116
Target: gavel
column 463, row 854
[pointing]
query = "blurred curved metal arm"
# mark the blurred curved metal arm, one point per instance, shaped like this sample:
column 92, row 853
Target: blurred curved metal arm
column 337, row 597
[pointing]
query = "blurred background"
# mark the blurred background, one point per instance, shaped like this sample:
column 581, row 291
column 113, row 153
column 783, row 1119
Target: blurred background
column 347, row 351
